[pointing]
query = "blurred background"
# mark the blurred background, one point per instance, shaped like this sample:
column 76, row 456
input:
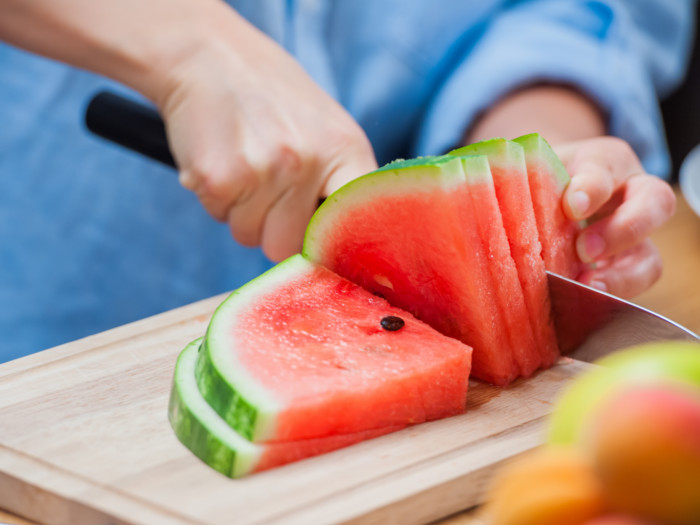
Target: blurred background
column 681, row 112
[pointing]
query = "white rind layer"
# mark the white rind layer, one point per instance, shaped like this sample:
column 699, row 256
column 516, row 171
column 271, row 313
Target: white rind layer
column 221, row 342
column 247, row 454
column 424, row 174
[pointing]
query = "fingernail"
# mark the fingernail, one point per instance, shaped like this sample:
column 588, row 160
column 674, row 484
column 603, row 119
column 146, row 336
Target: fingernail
column 589, row 246
column 579, row 202
column 599, row 285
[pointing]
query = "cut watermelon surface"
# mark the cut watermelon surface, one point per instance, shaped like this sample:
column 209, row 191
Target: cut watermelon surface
column 212, row 440
column 509, row 171
column 485, row 213
column 403, row 271
column 412, row 233
column 302, row 353
column 548, row 179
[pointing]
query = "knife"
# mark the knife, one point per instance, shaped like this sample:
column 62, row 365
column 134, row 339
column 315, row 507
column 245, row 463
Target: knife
column 131, row 124
column 589, row 323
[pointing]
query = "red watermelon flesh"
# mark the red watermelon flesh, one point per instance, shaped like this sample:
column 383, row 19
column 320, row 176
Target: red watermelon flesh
column 482, row 208
column 303, row 353
column 548, row 179
column 368, row 231
column 284, row 452
column 211, row 439
column 509, row 172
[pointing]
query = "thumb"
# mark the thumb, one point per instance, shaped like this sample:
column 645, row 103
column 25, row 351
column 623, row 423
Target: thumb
column 344, row 172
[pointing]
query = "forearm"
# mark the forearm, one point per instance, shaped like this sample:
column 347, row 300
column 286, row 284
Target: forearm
column 134, row 42
column 558, row 113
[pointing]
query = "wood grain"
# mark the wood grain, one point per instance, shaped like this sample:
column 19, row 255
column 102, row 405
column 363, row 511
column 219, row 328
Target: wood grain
column 84, row 436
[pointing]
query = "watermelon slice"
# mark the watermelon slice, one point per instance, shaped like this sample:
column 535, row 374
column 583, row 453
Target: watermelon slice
column 301, row 353
column 509, row 171
column 548, row 180
column 463, row 285
column 213, row 441
column 486, row 214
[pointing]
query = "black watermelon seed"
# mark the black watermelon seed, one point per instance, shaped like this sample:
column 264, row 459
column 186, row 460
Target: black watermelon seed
column 392, row 323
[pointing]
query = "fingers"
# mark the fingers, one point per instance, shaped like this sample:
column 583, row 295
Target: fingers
column 622, row 206
column 214, row 186
column 598, row 168
column 609, row 188
column 357, row 160
column 268, row 196
column 285, row 224
column 286, row 220
column 627, row 274
column 647, row 203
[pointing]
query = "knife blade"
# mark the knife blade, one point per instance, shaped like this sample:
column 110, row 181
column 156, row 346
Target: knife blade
column 591, row 324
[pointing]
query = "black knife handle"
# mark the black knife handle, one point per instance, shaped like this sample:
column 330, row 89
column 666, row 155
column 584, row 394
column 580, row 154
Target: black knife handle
column 130, row 124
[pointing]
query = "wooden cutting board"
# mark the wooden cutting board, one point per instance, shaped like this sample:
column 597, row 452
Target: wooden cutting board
column 84, row 439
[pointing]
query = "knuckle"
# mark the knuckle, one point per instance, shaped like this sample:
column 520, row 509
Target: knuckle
column 620, row 146
column 627, row 155
column 223, row 181
column 290, row 158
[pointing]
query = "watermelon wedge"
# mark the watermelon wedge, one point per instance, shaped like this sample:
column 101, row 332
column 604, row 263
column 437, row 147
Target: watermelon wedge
column 326, row 349
column 213, row 441
column 425, row 234
column 509, row 172
column 486, row 214
column 301, row 353
column 548, row 179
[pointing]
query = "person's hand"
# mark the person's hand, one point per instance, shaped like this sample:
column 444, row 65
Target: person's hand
column 255, row 138
column 623, row 206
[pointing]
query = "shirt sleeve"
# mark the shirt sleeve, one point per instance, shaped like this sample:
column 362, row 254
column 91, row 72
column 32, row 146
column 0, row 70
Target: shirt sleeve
column 622, row 54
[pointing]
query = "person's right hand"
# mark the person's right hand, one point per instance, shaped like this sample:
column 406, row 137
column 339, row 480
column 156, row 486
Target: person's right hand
column 254, row 137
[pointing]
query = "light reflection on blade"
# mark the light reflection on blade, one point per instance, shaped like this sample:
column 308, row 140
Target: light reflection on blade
column 591, row 324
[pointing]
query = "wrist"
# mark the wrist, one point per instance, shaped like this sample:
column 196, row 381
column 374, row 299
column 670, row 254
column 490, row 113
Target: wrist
column 133, row 42
column 189, row 31
column 557, row 112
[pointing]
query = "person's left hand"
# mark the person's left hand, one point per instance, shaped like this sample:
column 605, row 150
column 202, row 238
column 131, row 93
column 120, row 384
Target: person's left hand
column 623, row 205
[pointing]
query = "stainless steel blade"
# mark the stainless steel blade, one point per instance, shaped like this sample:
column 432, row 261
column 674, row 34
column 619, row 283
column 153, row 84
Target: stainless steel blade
column 591, row 323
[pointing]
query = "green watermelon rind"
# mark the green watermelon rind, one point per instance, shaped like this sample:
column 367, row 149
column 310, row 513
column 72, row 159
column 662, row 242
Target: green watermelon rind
column 200, row 428
column 244, row 403
column 506, row 152
column 424, row 174
column 536, row 147
column 476, row 169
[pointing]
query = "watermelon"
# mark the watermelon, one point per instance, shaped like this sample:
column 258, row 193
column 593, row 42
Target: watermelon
column 211, row 439
column 548, row 179
column 461, row 280
column 509, row 171
column 403, row 271
column 301, row 353
column 486, row 214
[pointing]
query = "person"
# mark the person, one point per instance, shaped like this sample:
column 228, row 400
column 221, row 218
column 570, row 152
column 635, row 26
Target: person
column 270, row 104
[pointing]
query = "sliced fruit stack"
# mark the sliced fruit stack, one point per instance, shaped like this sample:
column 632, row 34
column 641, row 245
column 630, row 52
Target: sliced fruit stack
column 404, row 271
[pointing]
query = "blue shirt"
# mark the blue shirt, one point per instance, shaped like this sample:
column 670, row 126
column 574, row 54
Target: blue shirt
column 93, row 236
